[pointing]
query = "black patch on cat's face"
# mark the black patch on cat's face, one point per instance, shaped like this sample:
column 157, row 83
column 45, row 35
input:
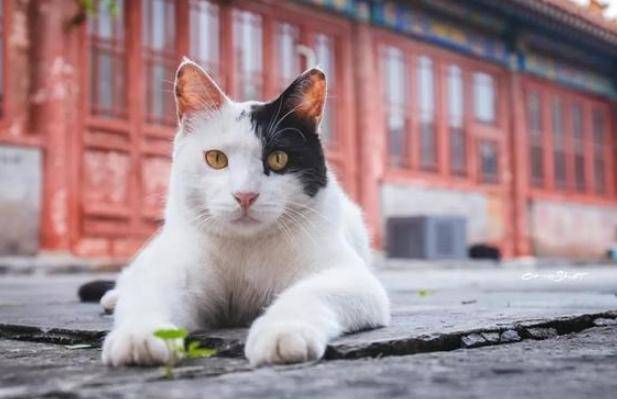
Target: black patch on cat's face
column 279, row 129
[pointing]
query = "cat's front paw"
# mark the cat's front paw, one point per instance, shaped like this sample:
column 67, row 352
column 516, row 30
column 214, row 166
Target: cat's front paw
column 136, row 345
column 280, row 342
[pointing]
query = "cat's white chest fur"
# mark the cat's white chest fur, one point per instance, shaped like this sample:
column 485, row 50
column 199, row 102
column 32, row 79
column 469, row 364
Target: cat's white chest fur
column 257, row 233
column 240, row 282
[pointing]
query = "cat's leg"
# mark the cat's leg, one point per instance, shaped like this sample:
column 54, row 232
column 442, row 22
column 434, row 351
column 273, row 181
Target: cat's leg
column 152, row 294
column 299, row 324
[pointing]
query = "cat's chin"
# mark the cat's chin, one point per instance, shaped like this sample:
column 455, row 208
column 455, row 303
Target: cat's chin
column 246, row 220
column 246, row 226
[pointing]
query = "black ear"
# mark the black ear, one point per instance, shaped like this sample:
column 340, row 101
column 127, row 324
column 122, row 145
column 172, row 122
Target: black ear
column 195, row 90
column 306, row 96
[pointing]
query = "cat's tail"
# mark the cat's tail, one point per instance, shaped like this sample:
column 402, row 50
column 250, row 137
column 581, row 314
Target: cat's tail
column 102, row 291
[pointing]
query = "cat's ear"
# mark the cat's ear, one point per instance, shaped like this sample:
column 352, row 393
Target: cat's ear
column 306, row 96
column 196, row 91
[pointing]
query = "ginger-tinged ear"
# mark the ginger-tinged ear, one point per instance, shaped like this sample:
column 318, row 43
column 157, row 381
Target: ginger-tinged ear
column 195, row 90
column 306, row 96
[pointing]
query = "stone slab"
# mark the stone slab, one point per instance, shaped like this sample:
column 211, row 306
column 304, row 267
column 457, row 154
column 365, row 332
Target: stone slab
column 567, row 366
column 442, row 315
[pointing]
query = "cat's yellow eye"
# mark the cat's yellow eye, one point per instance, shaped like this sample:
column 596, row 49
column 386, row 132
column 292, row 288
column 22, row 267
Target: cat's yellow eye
column 216, row 159
column 277, row 160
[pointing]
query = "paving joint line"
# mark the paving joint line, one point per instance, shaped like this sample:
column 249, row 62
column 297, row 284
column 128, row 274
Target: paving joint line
column 468, row 339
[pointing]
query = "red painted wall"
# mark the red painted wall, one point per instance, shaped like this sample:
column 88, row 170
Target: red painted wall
column 105, row 178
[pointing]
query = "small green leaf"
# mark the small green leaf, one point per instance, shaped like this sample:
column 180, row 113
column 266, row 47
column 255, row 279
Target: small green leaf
column 171, row 333
column 196, row 351
column 193, row 345
column 113, row 8
column 168, row 372
column 88, row 6
column 424, row 293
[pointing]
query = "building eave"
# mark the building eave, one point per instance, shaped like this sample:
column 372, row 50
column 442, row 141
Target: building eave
column 560, row 17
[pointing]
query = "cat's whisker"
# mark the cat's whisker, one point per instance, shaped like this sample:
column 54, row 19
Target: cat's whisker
column 302, row 225
column 199, row 217
column 308, row 208
column 301, row 104
column 298, row 213
column 293, row 129
column 275, row 116
column 285, row 230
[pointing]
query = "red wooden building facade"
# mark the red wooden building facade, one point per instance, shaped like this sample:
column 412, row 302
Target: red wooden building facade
column 413, row 125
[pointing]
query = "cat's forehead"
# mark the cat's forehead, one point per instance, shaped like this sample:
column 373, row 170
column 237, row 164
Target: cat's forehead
column 238, row 114
column 231, row 125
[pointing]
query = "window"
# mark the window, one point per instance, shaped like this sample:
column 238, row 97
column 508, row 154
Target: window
column 204, row 39
column 426, row 112
column 576, row 112
column 288, row 60
column 489, row 161
column 534, row 127
column 455, row 120
column 159, row 52
column 559, row 154
column 396, row 104
column 599, row 164
column 436, row 113
column 575, row 142
column 484, row 97
column 324, row 51
column 248, row 45
column 107, row 62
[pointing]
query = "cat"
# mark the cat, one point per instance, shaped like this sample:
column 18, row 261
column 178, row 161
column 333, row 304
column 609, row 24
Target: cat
column 257, row 233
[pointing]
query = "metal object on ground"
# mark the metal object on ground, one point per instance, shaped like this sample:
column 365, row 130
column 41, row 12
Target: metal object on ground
column 427, row 237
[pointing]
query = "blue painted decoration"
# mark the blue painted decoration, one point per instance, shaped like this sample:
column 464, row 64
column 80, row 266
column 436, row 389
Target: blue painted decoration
column 417, row 22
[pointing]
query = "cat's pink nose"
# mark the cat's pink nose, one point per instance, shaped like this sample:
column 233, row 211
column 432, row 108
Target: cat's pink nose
column 245, row 199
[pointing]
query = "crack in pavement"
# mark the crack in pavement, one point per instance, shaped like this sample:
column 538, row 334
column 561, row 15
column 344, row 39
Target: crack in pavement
column 230, row 343
column 568, row 358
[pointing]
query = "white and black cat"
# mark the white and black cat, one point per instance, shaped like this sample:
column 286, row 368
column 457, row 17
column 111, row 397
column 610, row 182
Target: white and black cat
column 257, row 230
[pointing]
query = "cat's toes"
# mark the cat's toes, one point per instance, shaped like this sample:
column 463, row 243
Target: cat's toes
column 109, row 300
column 136, row 346
column 284, row 342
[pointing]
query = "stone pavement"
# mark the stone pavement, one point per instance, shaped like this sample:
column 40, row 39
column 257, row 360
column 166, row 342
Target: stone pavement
column 473, row 332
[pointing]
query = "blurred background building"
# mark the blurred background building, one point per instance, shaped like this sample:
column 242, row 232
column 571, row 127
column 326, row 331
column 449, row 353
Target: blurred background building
column 503, row 112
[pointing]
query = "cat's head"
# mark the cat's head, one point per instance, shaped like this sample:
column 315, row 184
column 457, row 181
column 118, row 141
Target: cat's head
column 244, row 168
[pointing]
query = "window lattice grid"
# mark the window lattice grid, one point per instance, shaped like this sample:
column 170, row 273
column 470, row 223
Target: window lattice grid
column 578, row 141
column 536, row 147
column 559, row 144
column 599, row 145
column 484, row 98
column 288, row 60
column 204, row 36
column 488, row 152
column 457, row 134
column 160, row 59
column 248, row 48
column 107, row 62
column 426, row 110
column 325, row 53
column 396, row 100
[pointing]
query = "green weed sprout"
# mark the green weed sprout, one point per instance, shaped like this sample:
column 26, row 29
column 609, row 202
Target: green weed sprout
column 424, row 293
column 174, row 340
